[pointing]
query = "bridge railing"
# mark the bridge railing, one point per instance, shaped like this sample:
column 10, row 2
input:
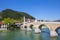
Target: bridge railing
column 51, row 22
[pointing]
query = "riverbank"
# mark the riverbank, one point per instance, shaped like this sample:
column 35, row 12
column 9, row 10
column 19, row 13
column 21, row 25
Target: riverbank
column 5, row 30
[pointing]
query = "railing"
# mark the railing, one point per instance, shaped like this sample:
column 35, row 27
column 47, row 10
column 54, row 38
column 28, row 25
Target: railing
column 51, row 22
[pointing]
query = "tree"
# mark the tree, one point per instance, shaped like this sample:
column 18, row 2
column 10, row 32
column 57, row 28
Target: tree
column 8, row 20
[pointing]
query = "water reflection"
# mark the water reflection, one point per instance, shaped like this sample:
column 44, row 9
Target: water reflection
column 45, row 34
column 58, row 32
column 54, row 38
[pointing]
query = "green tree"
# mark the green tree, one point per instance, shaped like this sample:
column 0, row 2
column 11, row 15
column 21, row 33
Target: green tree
column 21, row 20
column 8, row 20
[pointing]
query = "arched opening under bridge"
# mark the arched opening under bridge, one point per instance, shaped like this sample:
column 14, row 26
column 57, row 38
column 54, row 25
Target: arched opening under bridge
column 44, row 28
column 58, row 32
column 25, row 27
column 31, row 26
column 45, row 32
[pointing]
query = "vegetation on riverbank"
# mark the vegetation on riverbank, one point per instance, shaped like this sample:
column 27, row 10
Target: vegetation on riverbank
column 4, row 30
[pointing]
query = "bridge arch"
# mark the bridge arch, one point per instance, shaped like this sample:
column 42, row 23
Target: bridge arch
column 58, row 29
column 58, row 32
column 25, row 27
column 31, row 26
column 44, row 28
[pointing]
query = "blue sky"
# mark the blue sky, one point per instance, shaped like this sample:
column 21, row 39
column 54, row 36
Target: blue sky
column 40, row 9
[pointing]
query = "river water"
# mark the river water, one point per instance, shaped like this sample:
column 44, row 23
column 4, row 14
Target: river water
column 25, row 35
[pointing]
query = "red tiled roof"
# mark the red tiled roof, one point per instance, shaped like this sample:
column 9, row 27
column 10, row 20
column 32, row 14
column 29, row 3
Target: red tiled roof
column 1, row 22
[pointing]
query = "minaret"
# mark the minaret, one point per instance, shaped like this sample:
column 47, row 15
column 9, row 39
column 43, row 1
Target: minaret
column 23, row 21
column 35, row 20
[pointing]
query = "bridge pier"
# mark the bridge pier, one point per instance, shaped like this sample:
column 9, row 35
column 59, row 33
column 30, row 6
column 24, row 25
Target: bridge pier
column 37, row 30
column 29, row 29
column 53, row 33
column 23, row 28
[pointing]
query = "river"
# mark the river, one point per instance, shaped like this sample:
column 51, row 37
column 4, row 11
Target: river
column 24, row 35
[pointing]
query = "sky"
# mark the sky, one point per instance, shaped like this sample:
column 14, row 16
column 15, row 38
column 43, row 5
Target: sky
column 40, row 9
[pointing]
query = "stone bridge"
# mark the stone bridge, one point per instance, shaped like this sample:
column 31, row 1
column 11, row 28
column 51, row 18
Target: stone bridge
column 52, row 26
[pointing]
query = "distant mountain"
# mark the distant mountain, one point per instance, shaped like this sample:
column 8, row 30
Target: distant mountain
column 56, row 20
column 9, row 13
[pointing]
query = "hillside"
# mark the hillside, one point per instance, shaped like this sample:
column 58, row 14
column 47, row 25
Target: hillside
column 56, row 20
column 9, row 13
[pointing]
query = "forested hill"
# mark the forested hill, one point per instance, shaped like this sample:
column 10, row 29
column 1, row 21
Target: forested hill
column 9, row 13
